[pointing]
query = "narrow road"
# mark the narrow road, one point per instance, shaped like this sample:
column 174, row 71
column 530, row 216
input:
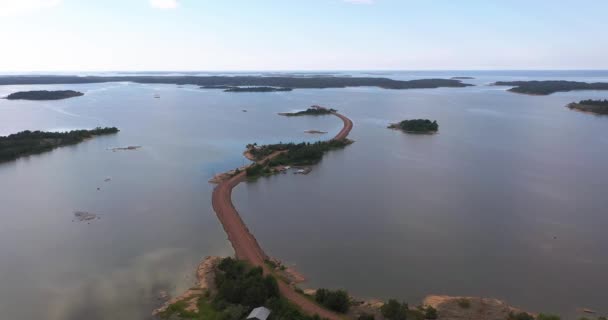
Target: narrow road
column 245, row 245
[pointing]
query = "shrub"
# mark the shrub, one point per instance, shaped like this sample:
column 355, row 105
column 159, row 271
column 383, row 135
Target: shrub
column 366, row 316
column 464, row 303
column 334, row 300
column 393, row 310
column 545, row 316
column 430, row 313
column 520, row 316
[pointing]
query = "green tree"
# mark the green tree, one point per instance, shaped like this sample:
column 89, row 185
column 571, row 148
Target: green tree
column 430, row 313
column 393, row 310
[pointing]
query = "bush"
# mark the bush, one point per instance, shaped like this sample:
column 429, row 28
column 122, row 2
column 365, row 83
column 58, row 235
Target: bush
column 464, row 303
column 544, row 316
column 334, row 300
column 520, row 316
column 393, row 310
column 366, row 316
column 430, row 313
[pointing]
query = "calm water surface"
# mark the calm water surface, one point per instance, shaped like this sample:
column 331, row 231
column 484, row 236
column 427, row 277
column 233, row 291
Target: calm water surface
column 506, row 201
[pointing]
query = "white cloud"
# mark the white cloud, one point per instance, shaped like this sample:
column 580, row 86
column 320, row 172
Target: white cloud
column 16, row 7
column 164, row 4
column 359, row 1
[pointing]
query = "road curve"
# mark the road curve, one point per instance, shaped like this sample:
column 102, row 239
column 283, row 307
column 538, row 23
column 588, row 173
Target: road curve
column 245, row 245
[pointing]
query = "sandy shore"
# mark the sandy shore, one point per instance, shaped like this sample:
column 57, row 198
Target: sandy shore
column 205, row 281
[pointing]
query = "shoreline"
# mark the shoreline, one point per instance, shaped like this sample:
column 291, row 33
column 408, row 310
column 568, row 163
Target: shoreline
column 246, row 247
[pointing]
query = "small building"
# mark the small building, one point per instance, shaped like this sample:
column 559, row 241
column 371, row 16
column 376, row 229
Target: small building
column 259, row 313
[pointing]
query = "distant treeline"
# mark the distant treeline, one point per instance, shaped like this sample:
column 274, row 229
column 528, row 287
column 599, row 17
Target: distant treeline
column 239, row 81
column 256, row 89
column 33, row 142
column 312, row 111
column 589, row 102
column 44, row 95
column 549, row 87
column 416, row 126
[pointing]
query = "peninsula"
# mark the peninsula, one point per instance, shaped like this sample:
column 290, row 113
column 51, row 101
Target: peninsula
column 210, row 82
column 244, row 243
column 33, row 142
column 599, row 107
column 550, row 86
column 312, row 111
column 416, row 126
column 44, row 95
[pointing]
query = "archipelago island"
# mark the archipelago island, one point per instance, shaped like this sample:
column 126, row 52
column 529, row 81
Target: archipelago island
column 543, row 88
column 599, row 107
column 33, row 142
column 44, row 95
column 228, row 82
column 416, row 126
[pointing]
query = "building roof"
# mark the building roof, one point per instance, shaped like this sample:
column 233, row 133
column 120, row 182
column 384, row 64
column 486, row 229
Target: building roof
column 259, row 313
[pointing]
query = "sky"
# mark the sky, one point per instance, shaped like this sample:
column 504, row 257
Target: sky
column 243, row 35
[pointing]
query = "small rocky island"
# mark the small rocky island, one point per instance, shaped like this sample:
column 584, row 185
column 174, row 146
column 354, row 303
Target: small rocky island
column 44, row 95
column 416, row 126
column 33, row 142
column 551, row 86
column 312, row 111
column 599, row 107
column 462, row 78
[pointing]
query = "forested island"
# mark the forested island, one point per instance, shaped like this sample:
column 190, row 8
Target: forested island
column 256, row 89
column 33, row 142
column 209, row 82
column 591, row 106
column 44, row 95
column 550, row 86
column 416, row 126
column 312, row 111
column 462, row 78
column 290, row 154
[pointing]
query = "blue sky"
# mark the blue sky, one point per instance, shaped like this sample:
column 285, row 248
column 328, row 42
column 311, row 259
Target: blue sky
column 86, row 35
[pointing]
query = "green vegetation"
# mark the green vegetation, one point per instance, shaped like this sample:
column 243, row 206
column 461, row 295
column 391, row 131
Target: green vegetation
column 551, row 86
column 334, row 300
column 312, row 111
column 520, row 316
column 300, row 154
column 464, row 303
column 366, row 316
column 593, row 106
column 240, row 288
column 33, row 142
column 256, row 89
column 589, row 102
column 544, row 316
column 314, row 82
column 430, row 313
column 393, row 310
column 307, row 153
column 304, row 153
column 44, row 95
column 416, row 126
